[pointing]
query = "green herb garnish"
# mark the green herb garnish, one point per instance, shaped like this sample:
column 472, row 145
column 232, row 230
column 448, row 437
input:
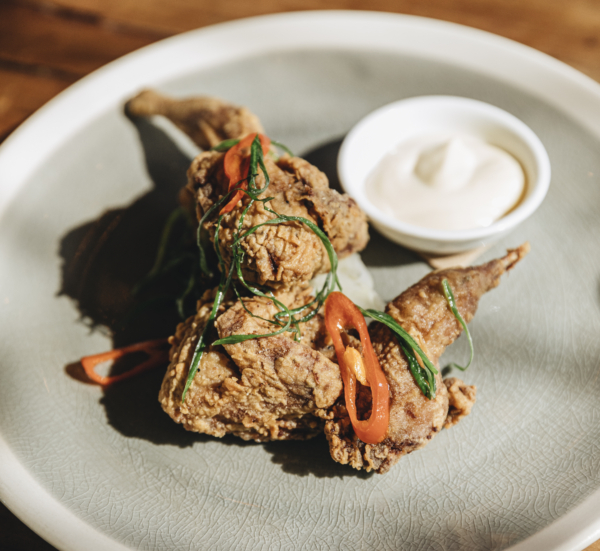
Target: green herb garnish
column 225, row 145
column 221, row 292
column 452, row 303
column 282, row 147
column 424, row 375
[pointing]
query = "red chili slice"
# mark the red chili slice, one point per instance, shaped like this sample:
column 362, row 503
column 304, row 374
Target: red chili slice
column 155, row 350
column 342, row 314
column 237, row 164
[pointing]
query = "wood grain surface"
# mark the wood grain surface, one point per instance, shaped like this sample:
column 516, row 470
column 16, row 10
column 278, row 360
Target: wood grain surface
column 47, row 45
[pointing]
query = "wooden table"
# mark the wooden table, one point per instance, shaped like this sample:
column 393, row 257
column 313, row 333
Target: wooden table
column 46, row 45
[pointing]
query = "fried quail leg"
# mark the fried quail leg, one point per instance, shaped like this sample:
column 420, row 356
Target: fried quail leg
column 272, row 388
column 278, row 256
column 423, row 311
column 207, row 121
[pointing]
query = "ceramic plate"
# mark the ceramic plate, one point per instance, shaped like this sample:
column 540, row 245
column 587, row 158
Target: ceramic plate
column 83, row 193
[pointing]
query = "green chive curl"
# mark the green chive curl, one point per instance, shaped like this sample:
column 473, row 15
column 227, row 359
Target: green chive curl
column 282, row 147
column 452, row 303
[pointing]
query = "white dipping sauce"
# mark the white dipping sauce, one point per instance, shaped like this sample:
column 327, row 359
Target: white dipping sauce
column 446, row 182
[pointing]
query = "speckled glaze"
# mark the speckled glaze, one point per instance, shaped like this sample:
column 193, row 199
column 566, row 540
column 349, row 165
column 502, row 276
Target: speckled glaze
column 92, row 469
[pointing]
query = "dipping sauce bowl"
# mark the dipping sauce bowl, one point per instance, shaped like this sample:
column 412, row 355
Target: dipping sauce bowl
column 381, row 131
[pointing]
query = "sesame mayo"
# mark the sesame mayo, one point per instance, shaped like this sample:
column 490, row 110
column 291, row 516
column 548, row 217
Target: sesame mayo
column 446, row 182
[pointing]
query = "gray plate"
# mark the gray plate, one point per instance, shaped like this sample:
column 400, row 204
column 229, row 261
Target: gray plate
column 528, row 454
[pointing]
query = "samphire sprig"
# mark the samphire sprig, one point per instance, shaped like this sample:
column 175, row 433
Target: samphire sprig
column 286, row 320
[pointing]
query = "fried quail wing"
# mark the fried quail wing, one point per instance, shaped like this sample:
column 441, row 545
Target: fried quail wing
column 272, row 388
column 423, row 311
column 207, row 121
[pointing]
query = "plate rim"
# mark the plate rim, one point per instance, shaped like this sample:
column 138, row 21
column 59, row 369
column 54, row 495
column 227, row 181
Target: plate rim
column 537, row 73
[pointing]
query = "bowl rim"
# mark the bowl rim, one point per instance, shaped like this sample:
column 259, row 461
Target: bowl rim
column 523, row 210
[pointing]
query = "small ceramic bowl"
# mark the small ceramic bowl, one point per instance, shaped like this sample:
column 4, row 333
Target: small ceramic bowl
column 381, row 131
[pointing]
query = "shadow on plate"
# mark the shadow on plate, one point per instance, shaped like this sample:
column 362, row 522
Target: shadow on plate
column 381, row 252
column 324, row 157
column 104, row 259
column 101, row 263
column 304, row 457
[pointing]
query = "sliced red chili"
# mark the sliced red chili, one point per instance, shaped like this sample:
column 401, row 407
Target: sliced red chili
column 155, row 350
column 341, row 314
column 237, row 164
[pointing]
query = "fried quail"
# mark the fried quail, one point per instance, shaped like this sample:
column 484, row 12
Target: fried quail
column 274, row 388
column 278, row 256
column 270, row 388
column 423, row 311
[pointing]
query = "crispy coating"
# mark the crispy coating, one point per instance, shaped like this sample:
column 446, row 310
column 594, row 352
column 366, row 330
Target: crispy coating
column 207, row 121
column 264, row 389
column 289, row 253
column 461, row 398
column 423, row 311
